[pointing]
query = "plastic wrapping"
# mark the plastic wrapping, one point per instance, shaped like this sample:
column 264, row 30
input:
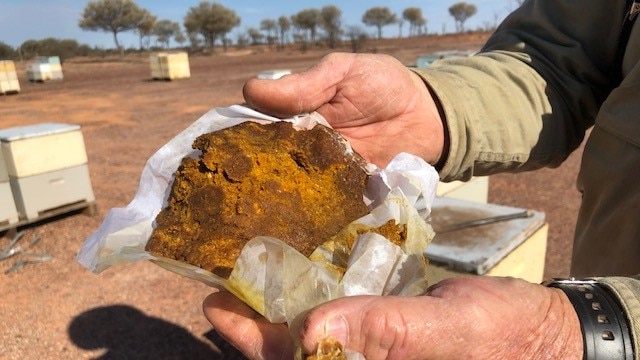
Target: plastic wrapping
column 270, row 276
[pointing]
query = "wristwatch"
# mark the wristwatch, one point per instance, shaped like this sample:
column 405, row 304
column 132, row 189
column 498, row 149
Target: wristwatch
column 604, row 325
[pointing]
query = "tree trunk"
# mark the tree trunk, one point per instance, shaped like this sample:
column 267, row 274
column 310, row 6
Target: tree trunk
column 115, row 38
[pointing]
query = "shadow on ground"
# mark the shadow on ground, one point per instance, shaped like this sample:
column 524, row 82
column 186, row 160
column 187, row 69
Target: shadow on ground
column 125, row 332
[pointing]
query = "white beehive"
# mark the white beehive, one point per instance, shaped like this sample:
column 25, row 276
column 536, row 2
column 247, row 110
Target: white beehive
column 476, row 189
column 8, row 78
column 273, row 74
column 515, row 247
column 45, row 68
column 47, row 167
column 8, row 212
column 39, row 72
column 36, row 149
column 170, row 66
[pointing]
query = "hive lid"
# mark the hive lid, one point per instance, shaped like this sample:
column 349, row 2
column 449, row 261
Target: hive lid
column 29, row 131
column 476, row 250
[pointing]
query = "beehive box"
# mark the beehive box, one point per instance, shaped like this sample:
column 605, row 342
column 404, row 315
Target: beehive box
column 36, row 149
column 47, row 191
column 273, row 74
column 55, row 67
column 47, row 167
column 45, row 68
column 476, row 189
column 515, row 247
column 8, row 78
column 170, row 66
column 39, row 72
column 8, row 212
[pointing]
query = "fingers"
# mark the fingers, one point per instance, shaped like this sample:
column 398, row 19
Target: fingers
column 247, row 330
column 298, row 93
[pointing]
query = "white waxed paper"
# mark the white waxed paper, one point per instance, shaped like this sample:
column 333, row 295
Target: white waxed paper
column 270, row 276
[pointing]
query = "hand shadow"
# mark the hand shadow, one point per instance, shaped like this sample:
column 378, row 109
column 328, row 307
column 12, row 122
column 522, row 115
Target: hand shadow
column 127, row 333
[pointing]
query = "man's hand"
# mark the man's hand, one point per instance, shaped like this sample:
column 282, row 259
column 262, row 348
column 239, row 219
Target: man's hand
column 378, row 104
column 459, row 318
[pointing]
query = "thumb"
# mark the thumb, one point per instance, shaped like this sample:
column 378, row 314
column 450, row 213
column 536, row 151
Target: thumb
column 373, row 326
column 298, row 93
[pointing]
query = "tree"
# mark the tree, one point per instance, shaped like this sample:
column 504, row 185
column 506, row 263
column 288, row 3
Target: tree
column 357, row 37
column 271, row 27
column 145, row 26
column 255, row 35
column 242, row 41
column 179, row 37
column 414, row 16
column 284, row 25
column 63, row 48
column 461, row 12
column 330, row 22
column 379, row 17
column 400, row 23
column 307, row 20
column 165, row 29
column 113, row 16
column 194, row 39
column 6, row 51
column 211, row 20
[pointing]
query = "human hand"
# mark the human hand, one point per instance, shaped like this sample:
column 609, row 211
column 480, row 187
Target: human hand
column 467, row 317
column 381, row 107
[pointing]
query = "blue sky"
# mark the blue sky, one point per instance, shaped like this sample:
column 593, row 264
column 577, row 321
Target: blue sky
column 21, row 20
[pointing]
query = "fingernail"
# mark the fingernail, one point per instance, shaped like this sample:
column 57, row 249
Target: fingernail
column 338, row 328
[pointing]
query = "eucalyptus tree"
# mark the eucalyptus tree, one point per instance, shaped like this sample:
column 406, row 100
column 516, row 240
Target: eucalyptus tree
column 211, row 20
column 461, row 12
column 379, row 17
column 114, row 16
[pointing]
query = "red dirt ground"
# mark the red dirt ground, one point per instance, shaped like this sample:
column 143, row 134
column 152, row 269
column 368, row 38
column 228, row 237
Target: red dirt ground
column 59, row 310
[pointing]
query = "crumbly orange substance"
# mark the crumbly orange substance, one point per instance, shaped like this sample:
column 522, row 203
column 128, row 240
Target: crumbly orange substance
column 301, row 187
column 328, row 349
column 341, row 244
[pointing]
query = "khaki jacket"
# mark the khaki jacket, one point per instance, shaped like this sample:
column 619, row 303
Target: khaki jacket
column 544, row 78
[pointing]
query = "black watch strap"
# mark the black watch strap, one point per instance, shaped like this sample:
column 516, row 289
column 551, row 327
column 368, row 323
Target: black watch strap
column 605, row 330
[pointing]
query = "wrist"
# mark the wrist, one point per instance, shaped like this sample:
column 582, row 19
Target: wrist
column 603, row 325
column 567, row 339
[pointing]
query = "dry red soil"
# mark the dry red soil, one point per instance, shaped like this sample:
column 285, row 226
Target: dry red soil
column 60, row 310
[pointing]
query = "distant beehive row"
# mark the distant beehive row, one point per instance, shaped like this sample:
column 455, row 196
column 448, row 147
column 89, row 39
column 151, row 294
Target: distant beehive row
column 8, row 78
column 43, row 172
column 164, row 66
column 169, row 66
column 44, row 68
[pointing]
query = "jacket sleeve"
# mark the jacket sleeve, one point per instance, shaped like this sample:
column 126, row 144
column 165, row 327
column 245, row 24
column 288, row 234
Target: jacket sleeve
column 526, row 100
column 627, row 290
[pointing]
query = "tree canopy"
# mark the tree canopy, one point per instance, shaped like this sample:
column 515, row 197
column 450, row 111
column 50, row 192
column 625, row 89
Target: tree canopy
column 308, row 20
column 416, row 21
column 6, row 51
column 271, row 27
column 112, row 16
column 63, row 48
column 461, row 12
column 165, row 29
column 211, row 20
column 145, row 26
column 331, row 22
column 379, row 17
column 284, row 25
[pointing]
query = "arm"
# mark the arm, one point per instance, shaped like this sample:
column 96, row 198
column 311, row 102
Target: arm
column 527, row 99
column 627, row 292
